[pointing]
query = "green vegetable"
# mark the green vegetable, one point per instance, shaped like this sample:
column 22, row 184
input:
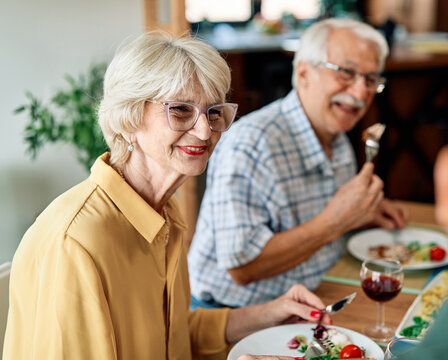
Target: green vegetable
column 414, row 245
column 416, row 329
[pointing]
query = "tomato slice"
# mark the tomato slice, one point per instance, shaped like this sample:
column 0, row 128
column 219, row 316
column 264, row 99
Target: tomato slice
column 351, row 351
column 438, row 253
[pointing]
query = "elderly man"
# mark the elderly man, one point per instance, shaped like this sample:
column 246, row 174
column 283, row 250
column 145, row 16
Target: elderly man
column 282, row 186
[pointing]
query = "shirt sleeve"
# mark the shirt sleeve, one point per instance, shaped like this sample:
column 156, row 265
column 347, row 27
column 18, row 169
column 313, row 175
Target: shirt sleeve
column 241, row 203
column 72, row 319
column 207, row 334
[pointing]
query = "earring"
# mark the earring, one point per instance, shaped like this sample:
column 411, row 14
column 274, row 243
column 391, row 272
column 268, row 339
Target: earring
column 130, row 147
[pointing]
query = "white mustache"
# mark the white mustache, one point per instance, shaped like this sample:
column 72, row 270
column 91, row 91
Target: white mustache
column 348, row 99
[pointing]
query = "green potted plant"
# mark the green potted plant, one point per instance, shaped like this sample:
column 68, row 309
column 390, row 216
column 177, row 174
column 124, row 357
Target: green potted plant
column 70, row 117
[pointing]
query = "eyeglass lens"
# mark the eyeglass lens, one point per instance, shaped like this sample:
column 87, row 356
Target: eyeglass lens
column 183, row 116
column 349, row 75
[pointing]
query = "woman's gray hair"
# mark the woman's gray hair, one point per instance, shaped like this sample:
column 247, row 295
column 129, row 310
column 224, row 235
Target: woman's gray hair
column 156, row 66
column 313, row 42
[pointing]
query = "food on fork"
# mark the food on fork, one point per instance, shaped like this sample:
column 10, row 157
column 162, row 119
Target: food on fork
column 373, row 132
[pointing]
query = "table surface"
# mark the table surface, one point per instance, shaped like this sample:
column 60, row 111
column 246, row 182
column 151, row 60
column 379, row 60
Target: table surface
column 340, row 282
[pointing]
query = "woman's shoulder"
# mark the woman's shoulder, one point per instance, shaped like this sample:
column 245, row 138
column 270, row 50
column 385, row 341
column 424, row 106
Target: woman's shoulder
column 83, row 206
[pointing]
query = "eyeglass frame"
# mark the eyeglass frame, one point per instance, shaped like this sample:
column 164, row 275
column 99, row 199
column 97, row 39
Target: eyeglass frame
column 201, row 111
column 380, row 83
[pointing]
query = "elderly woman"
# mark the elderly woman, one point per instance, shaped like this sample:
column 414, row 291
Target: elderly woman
column 102, row 273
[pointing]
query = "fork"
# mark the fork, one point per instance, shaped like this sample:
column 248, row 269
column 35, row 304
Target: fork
column 372, row 136
column 372, row 148
column 318, row 347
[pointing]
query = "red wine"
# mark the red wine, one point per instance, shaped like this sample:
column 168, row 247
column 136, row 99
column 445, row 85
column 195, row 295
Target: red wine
column 383, row 289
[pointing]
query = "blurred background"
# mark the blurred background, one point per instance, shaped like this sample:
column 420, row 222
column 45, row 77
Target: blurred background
column 43, row 41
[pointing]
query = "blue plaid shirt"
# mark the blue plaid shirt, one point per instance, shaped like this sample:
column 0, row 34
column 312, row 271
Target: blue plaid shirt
column 268, row 174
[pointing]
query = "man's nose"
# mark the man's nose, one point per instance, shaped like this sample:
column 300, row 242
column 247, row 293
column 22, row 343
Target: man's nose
column 202, row 128
column 359, row 88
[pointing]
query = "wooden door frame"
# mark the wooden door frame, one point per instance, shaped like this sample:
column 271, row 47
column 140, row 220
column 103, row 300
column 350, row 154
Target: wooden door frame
column 178, row 22
column 187, row 193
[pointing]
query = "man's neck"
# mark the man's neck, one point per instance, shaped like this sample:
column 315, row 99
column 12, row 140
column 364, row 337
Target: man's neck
column 325, row 138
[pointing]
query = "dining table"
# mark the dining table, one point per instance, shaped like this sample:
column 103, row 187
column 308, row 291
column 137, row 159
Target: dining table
column 343, row 279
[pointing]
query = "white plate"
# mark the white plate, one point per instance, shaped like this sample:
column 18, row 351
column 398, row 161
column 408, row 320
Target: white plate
column 274, row 340
column 414, row 309
column 358, row 245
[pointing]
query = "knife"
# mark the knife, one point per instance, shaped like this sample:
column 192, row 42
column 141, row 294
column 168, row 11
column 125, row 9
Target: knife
column 338, row 305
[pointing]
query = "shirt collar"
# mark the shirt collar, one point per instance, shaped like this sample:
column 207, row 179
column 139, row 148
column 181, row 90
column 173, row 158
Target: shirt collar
column 138, row 212
column 309, row 146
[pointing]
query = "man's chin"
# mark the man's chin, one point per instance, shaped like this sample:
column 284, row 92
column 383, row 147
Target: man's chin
column 347, row 123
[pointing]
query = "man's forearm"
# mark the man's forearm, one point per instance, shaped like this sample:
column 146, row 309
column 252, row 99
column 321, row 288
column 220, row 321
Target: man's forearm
column 287, row 249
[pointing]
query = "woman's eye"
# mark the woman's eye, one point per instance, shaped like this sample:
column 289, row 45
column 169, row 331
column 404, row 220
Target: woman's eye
column 214, row 114
column 180, row 108
column 181, row 111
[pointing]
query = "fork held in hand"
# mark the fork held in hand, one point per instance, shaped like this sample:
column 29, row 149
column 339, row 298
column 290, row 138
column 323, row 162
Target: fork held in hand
column 372, row 136
column 318, row 347
column 372, row 148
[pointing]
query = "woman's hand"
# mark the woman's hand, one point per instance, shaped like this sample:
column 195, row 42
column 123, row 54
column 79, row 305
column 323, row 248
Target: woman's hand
column 298, row 305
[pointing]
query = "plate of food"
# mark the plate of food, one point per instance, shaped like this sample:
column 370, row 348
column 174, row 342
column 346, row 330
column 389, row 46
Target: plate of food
column 424, row 309
column 416, row 248
column 293, row 339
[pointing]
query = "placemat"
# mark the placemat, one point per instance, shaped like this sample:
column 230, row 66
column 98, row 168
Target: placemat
column 346, row 271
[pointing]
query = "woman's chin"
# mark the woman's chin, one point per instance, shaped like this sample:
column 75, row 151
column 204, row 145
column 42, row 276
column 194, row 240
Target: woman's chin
column 193, row 170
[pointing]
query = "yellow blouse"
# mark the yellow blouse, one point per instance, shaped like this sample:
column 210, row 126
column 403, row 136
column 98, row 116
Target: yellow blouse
column 93, row 279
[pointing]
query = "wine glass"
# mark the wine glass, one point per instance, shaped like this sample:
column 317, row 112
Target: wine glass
column 381, row 280
column 399, row 347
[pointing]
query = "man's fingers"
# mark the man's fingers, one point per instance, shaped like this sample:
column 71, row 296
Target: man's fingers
column 366, row 173
column 394, row 216
column 385, row 223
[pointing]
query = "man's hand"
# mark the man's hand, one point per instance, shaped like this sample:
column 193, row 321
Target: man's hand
column 391, row 216
column 356, row 203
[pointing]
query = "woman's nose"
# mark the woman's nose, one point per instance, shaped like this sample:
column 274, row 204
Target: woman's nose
column 202, row 128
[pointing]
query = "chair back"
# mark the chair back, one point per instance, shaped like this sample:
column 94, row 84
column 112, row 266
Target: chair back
column 5, row 270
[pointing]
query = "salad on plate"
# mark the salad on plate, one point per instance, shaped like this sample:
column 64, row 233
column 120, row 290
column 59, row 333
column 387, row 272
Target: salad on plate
column 338, row 344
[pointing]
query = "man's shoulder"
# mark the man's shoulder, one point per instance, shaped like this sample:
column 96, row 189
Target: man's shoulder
column 262, row 117
column 259, row 126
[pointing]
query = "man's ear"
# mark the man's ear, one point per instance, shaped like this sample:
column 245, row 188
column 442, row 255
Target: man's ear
column 303, row 73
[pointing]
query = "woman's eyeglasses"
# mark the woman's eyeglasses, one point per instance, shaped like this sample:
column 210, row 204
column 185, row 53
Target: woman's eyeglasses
column 374, row 81
column 183, row 116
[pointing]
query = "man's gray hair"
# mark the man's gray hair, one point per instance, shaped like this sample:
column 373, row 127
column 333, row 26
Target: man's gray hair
column 156, row 66
column 313, row 42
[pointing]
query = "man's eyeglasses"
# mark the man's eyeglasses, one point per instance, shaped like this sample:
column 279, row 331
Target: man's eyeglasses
column 183, row 116
column 374, row 81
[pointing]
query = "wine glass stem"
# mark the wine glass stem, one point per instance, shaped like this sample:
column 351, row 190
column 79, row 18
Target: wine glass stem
column 380, row 315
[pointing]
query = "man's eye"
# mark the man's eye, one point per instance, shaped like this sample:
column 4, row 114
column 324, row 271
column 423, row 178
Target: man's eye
column 371, row 80
column 347, row 73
